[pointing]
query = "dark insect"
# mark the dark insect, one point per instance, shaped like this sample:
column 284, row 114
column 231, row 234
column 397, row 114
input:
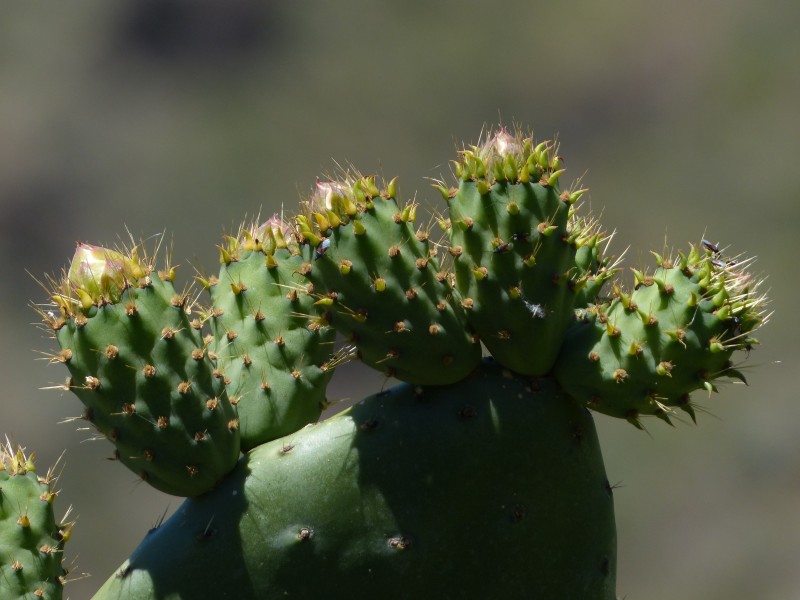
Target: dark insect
column 322, row 248
column 712, row 247
column 736, row 330
column 719, row 264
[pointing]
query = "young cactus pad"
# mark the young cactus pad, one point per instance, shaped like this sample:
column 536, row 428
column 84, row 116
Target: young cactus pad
column 492, row 487
column 31, row 539
column 380, row 284
column 140, row 367
column 515, row 240
column 276, row 355
column 644, row 352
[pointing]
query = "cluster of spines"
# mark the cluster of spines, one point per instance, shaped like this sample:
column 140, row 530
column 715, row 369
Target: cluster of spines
column 339, row 202
column 504, row 157
column 31, row 540
column 594, row 267
column 675, row 333
column 266, row 238
column 96, row 277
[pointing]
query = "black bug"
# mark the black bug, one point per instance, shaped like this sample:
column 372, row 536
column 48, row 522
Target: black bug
column 322, row 248
column 718, row 263
column 521, row 237
column 503, row 247
column 711, row 246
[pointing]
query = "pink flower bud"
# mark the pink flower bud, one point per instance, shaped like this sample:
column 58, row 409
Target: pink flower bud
column 101, row 273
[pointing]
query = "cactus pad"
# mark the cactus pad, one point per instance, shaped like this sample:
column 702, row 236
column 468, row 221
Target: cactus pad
column 523, row 259
column 140, row 367
column 382, row 285
column 277, row 356
column 644, row 352
column 489, row 488
column 31, row 539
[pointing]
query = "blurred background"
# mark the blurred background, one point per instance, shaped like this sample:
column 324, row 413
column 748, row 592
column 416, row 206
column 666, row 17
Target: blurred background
column 184, row 117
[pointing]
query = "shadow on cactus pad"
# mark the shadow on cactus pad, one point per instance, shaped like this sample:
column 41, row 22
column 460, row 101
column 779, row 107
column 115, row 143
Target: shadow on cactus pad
column 492, row 487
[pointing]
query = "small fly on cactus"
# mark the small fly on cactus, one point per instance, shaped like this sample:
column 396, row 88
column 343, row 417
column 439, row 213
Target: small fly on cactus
column 711, row 246
column 322, row 248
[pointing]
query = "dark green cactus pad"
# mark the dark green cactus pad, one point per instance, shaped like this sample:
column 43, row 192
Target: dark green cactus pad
column 382, row 285
column 277, row 356
column 31, row 539
column 141, row 369
column 493, row 487
column 643, row 353
column 523, row 259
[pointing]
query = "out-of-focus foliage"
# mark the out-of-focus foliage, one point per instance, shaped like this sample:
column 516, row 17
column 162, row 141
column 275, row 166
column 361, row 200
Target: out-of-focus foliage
column 185, row 117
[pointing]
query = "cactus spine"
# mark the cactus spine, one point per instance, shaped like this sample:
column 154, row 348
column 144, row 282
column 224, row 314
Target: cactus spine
column 474, row 478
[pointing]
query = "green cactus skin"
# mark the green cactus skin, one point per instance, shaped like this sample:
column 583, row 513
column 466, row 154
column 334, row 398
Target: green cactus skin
column 141, row 369
column 277, row 358
column 515, row 241
column 382, row 284
column 493, row 487
column 31, row 539
column 645, row 352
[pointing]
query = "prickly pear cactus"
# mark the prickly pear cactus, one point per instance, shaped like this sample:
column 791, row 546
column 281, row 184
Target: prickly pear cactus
column 644, row 352
column 492, row 487
column 31, row 538
column 516, row 239
column 140, row 367
column 474, row 478
column 381, row 284
column 276, row 354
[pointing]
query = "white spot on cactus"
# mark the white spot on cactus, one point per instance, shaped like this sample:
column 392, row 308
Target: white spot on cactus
column 537, row 311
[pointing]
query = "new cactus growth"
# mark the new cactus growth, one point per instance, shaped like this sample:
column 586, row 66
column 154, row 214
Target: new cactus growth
column 475, row 478
column 645, row 351
column 381, row 285
column 515, row 240
column 139, row 365
column 31, row 539
column 277, row 356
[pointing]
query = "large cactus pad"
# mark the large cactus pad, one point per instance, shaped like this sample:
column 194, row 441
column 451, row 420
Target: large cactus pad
column 489, row 488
